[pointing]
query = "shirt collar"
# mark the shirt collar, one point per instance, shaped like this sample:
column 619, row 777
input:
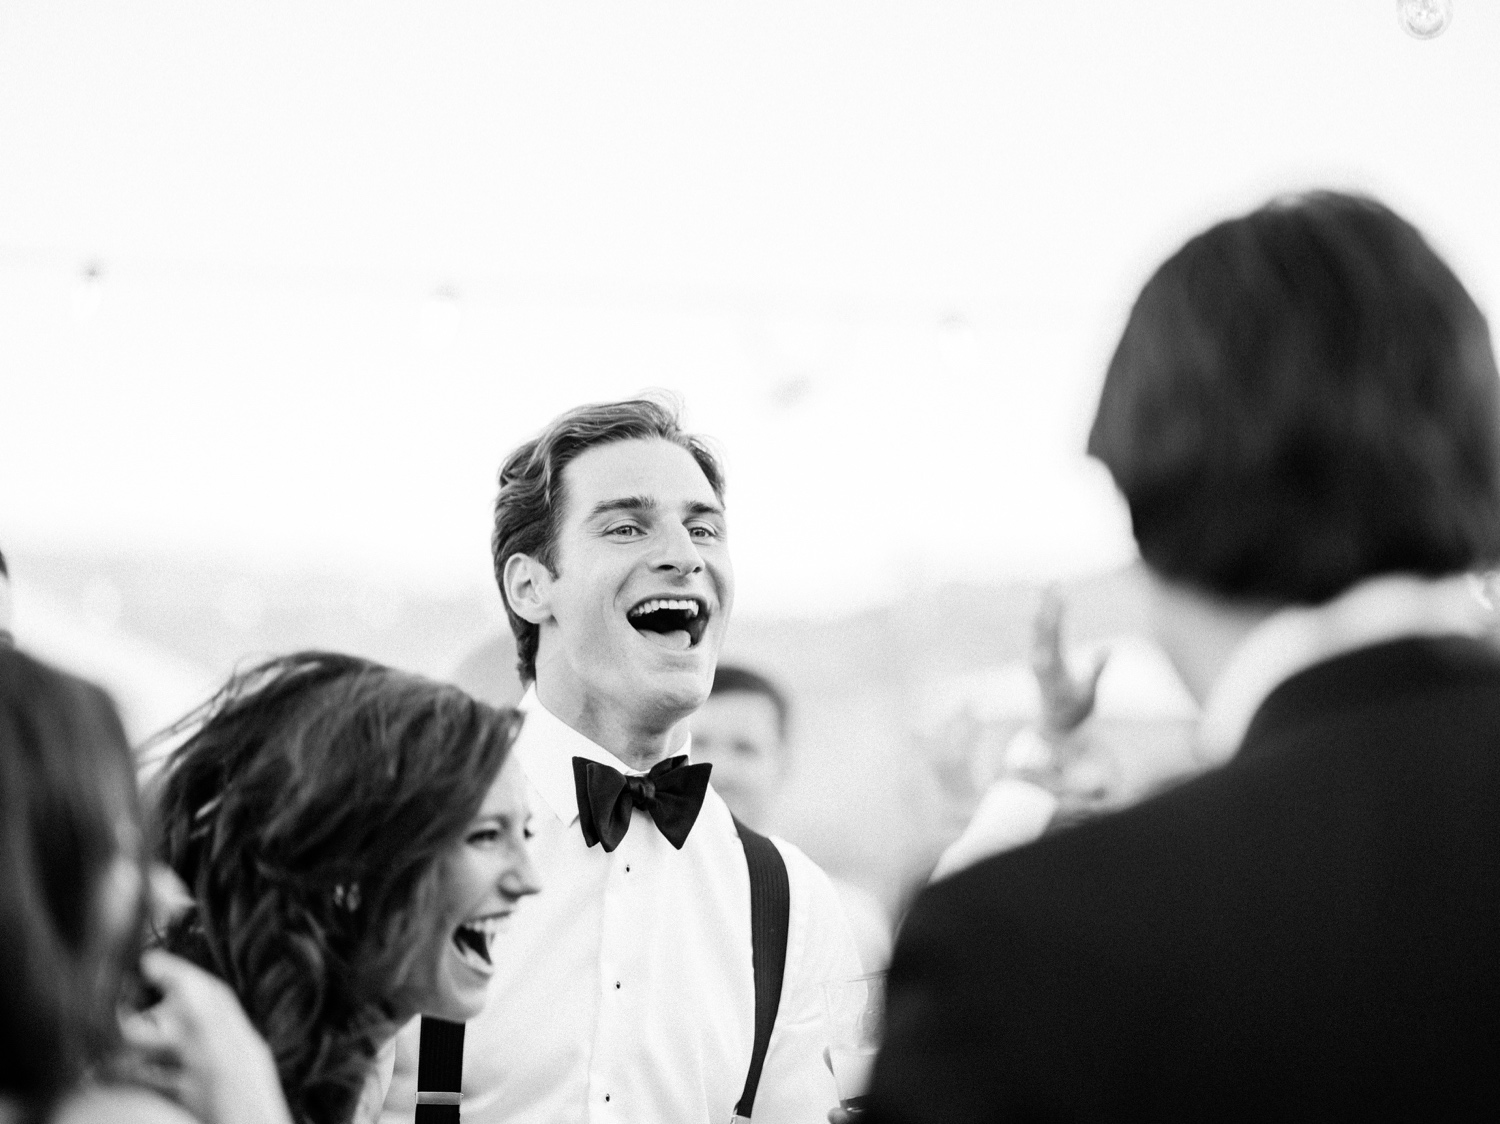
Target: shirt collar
column 1390, row 607
column 546, row 747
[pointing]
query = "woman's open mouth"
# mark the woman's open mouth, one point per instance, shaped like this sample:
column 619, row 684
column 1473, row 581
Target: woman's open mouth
column 676, row 623
column 473, row 940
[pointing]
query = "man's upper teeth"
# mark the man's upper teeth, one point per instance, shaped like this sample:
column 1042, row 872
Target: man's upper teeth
column 689, row 607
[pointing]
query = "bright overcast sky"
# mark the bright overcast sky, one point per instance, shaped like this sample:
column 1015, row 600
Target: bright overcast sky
column 881, row 250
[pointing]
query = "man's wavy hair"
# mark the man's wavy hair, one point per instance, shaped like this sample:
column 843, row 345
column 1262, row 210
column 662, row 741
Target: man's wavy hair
column 307, row 811
column 1303, row 398
column 67, row 797
column 530, row 503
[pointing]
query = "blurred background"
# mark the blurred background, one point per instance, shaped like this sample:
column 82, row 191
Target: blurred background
column 281, row 283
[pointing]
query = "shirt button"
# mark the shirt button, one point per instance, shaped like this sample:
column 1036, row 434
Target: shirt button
column 617, row 985
column 606, row 1098
column 627, row 868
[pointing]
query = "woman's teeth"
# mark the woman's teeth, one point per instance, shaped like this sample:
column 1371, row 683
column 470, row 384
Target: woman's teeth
column 474, row 938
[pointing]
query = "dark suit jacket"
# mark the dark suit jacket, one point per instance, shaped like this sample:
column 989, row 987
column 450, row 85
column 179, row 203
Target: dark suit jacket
column 1310, row 932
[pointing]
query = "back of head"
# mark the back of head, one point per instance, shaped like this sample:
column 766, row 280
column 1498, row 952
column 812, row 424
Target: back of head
column 307, row 811
column 1303, row 398
column 531, row 497
column 67, row 801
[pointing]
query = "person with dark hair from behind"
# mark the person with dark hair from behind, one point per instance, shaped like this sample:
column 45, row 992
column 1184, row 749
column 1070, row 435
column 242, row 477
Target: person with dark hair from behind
column 629, row 992
column 352, row 837
column 72, row 903
column 744, row 732
column 1302, row 417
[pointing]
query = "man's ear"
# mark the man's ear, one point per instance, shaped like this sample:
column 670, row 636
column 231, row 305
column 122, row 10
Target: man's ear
column 528, row 587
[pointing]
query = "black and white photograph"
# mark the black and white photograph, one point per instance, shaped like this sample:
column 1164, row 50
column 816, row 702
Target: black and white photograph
column 834, row 562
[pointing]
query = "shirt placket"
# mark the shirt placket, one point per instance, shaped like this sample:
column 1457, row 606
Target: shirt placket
column 621, row 977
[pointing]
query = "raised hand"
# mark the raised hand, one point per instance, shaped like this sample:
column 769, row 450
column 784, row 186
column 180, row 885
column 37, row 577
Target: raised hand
column 1067, row 699
column 197, row 1047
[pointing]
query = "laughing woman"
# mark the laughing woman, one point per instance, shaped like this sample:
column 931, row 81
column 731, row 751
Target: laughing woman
column 352, row 837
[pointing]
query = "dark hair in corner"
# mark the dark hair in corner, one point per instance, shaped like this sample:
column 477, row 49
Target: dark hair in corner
column 730, row 678
column 67, row 789
column 1305, row 397
column 307, row 811
column 530, row 503
column 4, row 570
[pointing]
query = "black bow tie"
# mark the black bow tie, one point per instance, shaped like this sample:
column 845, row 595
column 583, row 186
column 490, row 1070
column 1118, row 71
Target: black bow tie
column 672, row 792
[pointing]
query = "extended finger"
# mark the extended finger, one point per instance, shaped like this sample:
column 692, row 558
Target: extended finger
column 161, row 968
column 167, row 897
column 167, row 1079
column 189, row 989
column 151, row 1040
column 1046, row 635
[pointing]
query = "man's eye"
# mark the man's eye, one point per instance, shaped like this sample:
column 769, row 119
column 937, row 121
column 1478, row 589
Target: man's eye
column 702, row 532
column 626, row 531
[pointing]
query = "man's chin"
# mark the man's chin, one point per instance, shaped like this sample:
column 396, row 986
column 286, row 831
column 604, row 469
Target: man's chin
column 679, row 687
column 684, row 691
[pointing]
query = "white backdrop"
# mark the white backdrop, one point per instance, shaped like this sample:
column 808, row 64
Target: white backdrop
column 881, row 249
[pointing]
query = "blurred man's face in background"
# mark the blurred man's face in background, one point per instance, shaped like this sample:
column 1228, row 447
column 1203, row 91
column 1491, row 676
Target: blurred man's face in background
column 738, row 732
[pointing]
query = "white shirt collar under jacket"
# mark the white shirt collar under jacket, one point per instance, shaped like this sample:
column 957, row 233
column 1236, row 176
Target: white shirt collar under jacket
column 1391, row 607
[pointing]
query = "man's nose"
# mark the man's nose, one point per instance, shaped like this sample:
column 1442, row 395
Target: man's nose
column 678, row 552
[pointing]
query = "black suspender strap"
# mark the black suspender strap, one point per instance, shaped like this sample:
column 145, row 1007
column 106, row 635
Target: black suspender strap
column 770, row 919
column 440, row 1071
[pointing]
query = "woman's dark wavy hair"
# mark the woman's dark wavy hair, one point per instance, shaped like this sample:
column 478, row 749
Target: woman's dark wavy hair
column 531, row 498
column 1303, row 398
column 306, row 812
column 67, row 793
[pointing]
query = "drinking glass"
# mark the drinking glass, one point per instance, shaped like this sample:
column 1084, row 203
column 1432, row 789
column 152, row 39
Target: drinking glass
column 856, row 1012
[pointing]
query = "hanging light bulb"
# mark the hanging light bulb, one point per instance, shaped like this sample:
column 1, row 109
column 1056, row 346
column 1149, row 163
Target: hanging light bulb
column 1424, row 19
column 441, row 313
column 88, row 291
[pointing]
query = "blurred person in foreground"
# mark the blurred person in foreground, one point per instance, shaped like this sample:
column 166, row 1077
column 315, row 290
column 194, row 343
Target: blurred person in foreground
column 743, row 731
column 353, row 839
column 73, row 902
column 629, row 992
column 1302, row 417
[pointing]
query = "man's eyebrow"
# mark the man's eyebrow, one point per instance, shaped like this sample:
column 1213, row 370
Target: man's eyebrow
column 641, row 504
column 647, row 505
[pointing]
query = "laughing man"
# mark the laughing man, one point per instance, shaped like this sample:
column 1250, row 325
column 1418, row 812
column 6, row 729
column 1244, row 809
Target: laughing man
column 627, row 993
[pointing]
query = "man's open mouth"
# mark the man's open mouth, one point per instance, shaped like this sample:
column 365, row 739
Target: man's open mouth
column 671, row 622
column 474, row 938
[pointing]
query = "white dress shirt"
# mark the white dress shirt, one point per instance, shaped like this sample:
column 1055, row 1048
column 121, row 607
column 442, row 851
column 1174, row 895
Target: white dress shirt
column 624, row 990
